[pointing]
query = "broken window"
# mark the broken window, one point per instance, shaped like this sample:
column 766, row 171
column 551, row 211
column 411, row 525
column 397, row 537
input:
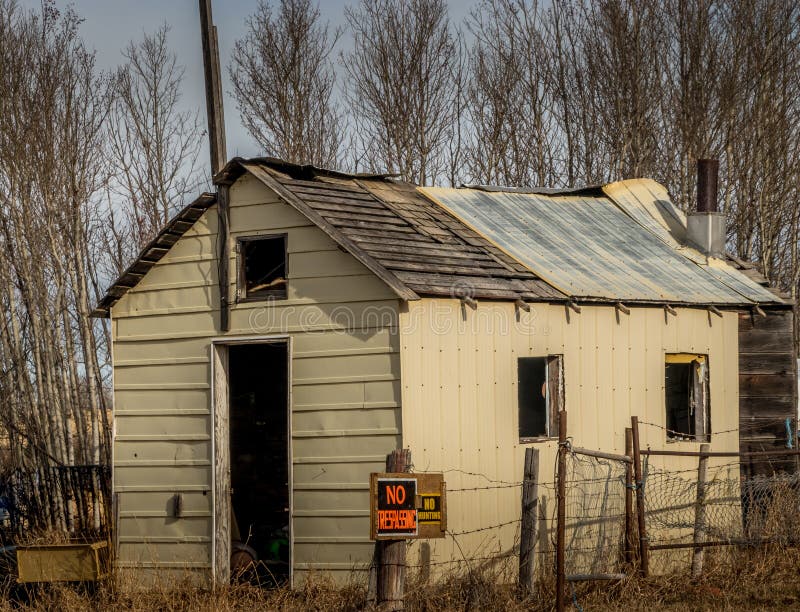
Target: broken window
column 541, row 396
column 262, row 267
column 686, row 393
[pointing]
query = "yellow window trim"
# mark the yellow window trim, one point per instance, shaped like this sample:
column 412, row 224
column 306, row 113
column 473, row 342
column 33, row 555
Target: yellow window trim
column 683, row 358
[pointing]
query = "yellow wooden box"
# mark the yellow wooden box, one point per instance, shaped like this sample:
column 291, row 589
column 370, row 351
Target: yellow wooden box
column 72, row 562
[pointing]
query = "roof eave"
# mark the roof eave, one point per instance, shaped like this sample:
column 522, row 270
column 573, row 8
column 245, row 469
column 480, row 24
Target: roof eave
column 152, row 253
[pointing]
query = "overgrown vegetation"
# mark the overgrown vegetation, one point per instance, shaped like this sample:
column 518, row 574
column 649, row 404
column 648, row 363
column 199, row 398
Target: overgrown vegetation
column 743, row 579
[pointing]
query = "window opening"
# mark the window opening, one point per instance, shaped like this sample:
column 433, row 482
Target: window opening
column 686, row 397
column 262, row 267
column 541, row 396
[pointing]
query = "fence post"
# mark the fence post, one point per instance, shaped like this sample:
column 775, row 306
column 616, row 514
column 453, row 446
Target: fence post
column 644, row 562
column 530, row 516
column 391, row 554
column 561, row 511
column 629, row 497
column 700, row 513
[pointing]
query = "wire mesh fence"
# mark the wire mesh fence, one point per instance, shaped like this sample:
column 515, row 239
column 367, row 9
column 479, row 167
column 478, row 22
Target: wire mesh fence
column 734, row 507
column 595, row 517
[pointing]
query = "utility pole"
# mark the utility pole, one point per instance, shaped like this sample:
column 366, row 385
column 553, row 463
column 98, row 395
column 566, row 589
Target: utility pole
column 216, row 142
column 216, row 117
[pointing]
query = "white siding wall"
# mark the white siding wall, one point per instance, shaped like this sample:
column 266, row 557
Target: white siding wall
column 460, row 412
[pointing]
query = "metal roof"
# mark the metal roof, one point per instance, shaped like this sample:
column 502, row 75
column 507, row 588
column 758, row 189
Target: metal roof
column 627, row 244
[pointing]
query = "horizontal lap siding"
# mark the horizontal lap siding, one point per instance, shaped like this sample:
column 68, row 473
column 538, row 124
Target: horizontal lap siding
column 345, row 391
column 459, row 391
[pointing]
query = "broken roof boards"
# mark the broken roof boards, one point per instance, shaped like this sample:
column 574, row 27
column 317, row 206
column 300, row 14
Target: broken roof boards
column 589, row 246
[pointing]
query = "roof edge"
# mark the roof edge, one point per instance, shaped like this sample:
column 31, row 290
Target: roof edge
column 236, row 167
column 153, row 252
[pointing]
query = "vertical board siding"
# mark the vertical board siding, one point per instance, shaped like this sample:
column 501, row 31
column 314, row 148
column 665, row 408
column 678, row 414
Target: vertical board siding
column 345, row 391
column 459, row 396
column 767, row 385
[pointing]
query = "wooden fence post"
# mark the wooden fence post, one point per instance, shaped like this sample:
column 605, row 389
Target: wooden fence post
column 644, row 562
column 629, row 497
column 530, row 516
column 561, row 511
column 391, row 554
column 700, row 513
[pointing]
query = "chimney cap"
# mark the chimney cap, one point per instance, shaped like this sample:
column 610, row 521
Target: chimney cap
column 707, row 179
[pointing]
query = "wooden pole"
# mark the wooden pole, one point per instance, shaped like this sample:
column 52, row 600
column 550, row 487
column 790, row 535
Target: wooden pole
column 391, row 554
column 644, row 562
column 561, row 511
column 530, row 517
column 700, row 513
column 214, row 112
column 216, row 147
column 629, row 497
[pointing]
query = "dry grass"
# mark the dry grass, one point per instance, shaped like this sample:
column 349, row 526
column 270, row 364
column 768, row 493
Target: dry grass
column 736, row 579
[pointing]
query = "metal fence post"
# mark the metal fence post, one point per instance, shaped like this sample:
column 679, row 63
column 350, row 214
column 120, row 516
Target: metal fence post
column 644, row 562
column 530, row 505
column 629, row 497
column 700, row 513
column 561, row 512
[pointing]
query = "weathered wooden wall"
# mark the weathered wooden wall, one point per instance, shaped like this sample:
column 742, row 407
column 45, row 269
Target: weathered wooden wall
column 767, row 385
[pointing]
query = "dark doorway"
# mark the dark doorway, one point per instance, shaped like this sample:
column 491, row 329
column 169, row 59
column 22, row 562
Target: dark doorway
column 259, row 461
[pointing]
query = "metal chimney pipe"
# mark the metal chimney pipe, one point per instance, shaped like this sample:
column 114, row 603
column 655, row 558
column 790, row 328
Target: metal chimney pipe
column 707, row 176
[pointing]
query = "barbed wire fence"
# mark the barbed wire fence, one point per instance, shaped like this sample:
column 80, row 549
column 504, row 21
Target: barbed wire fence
column 601, row 516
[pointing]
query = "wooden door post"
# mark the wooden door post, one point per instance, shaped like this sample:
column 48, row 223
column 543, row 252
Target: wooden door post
column 629, row 498
column 700, row 513
column 530, row 516
column 391, row 554
column 561, row 510
column 644, row 562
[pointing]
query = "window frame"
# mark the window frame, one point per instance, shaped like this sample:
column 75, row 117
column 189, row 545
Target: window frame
column 696, row 438
column 554, row 374
column 241, row 279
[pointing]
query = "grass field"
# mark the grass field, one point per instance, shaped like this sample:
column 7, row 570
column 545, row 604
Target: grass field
column 762, row 579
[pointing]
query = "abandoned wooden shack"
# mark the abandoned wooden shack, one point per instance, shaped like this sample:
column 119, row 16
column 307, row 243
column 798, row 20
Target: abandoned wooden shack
column 273, row 343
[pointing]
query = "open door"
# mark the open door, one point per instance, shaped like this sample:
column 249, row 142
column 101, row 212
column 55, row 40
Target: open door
column 256, row 526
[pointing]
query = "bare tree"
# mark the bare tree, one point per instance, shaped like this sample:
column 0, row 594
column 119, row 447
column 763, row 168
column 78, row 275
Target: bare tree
column 283, row 81
column 52, row 168
column 401, row 72
column 154, row 145
column 508, row 96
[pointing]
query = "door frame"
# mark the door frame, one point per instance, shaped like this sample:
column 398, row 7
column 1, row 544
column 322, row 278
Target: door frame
column 220, row 452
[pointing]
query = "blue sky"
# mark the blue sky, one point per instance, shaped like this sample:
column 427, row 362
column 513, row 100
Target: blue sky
column 109, row 25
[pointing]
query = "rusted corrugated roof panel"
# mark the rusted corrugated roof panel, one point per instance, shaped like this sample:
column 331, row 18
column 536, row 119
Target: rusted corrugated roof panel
column 648, row 203
column 590, row 247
